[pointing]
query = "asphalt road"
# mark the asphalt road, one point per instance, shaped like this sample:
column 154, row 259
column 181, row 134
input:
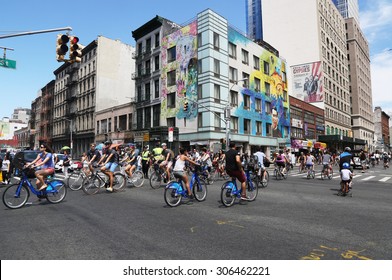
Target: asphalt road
column 291, row 219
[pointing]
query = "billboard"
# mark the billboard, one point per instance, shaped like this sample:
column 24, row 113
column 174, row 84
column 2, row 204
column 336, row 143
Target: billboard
column 308, row 82
column 5, row 132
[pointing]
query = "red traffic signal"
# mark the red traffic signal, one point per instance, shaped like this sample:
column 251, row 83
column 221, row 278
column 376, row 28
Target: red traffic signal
column 75, row 53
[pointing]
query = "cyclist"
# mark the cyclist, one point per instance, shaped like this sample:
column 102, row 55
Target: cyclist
column 301, row 161
column 45, row 159
column 94, row 156
column 327, row 160
column 260, row 155
column 346, row 175
column 345, row 157
column 157, row 153
column 131, row 159
column 385, row 159
column 234, row 168
column 168, row 159
column 281, row 161
column 179, row 169
column 205, row 158
column 310, row 160
column 110, row 163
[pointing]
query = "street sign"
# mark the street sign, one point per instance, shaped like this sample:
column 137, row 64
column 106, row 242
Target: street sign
column 170, row 136
column 7, row 63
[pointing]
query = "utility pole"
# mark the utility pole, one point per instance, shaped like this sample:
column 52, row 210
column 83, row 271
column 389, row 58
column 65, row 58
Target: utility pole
column 35, row 32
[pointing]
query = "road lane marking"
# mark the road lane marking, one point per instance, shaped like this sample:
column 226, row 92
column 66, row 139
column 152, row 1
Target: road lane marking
column 384, row 179
column 368, row 178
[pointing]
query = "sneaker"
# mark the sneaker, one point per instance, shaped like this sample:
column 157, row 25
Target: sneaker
column 191, row 196
column 245, row 198
column 109, row 189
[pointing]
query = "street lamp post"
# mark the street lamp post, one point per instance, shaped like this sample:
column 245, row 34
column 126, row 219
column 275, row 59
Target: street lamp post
column 228, row 113
column 70, row 134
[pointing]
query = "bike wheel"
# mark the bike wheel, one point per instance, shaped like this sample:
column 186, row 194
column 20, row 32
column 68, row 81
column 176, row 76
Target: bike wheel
column 330, row 174
column 15, row 196
column 137, row 179
column 74, row 181
column 265, row 180
column 313, row 174
column 172, row 194
column 119, row 181
column 200, row 190
column 57, row 193
column 155, row 180
column 252, row 191
column 227, row 196
column 90, row 185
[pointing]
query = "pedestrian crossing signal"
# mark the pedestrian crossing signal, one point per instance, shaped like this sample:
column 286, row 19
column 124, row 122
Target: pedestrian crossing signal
column 185, row 106
column 62, row 48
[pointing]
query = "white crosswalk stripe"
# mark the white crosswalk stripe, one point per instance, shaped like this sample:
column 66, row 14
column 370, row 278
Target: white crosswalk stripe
column 368, row 178
column 385, row 179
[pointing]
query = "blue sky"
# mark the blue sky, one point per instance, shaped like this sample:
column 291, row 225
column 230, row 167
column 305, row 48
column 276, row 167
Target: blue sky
column 115, row 19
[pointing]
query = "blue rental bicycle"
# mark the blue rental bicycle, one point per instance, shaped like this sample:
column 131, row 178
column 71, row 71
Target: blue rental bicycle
column 16, row 195
column 175, row 191
column 230, row 191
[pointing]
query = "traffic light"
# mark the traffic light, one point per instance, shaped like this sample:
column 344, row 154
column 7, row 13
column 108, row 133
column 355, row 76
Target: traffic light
column 75, row 52
column 185, row 106
column 62, row 48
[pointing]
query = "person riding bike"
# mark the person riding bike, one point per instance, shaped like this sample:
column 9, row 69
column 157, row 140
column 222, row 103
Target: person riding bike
column 94, row 157
column 179, row 171
column 131, row 159
column 260, row 155
column 385, row 159
column 281, row 161
column 310, row 160
column 45, row 160
column 345, row 157
column 110, row 159
column 168, row 159
column 301, row 161
column 346, row 176
column 327, row 160
column 234, row 168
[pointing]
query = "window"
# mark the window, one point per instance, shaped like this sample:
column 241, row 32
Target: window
column 283, row 76
column 171, row 54
column 257, row 84
column 232, row 51
column 171, row 122
column 156, row 89
column 246, row 102
column 171, row 100
column 247, row 127
column 147, row 117
column 245, row 57
column 245, row 77
column 148, row 45
column 285, row 96
column 171, row 78
column 256, row 62
column 139, row 118
column 267, row 88
column 200, row 120
column 217, row 121
column 156, row 62
column 266, row 68
column 258, row 105
column 268, row 107
column 234, row 124
column 259, row 128
column 217, row 93
column 129, row 121
column 156, row 115
column 233, row 98
column 147, row 91
column 268, row 129
column 233, row 74
column 216, row 68
column 216, row 41
column 157, row 40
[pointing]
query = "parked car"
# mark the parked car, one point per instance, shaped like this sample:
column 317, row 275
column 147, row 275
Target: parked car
column 23, row 157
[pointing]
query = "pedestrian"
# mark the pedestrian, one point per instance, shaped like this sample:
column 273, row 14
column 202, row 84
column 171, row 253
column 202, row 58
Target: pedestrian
column 5, row 169
column 66, row 163
column 145, row 160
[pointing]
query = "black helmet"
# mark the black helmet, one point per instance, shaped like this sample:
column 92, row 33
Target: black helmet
column 347, row 149
column 108, row 143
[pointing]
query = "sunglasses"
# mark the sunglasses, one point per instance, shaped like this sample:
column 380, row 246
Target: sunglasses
column 42, row 147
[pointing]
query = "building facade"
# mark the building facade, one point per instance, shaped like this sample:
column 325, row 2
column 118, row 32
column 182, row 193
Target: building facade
column 381, row 130
column 254, row 20
column 311, row 35
column 348, row 8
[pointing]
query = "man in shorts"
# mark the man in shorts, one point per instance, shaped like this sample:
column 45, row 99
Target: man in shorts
column 168, row 159
column 93, row 156
column 110, row 159
column 234, row 168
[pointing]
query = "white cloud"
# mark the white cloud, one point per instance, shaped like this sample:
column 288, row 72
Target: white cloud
column 378, row 16
column 381, row 67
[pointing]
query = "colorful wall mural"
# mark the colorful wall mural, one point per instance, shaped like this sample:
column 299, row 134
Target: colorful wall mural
column 274, row 109
column 308, row 82
column 185, row 67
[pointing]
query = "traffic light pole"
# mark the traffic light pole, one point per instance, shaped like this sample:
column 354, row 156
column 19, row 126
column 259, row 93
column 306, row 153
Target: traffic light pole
column 35, row 32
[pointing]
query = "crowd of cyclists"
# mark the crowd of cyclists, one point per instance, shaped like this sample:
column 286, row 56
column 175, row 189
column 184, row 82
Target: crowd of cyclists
column 230, row 163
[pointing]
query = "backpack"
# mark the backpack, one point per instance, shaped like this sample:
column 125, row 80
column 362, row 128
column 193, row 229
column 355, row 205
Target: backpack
column 253, row 161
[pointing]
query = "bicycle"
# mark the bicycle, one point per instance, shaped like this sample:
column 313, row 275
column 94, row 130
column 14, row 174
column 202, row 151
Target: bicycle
column 346, row 189
column 137, row 178
column 279, row 174
column 158, row 176
column 230, row 191
column 327, row 172
column 175, row 191
column 309, row 172
column 218, row 174
column 205, row 175
column 16, row 195
column 262, row 179
column 98, row 180
column 76, row 177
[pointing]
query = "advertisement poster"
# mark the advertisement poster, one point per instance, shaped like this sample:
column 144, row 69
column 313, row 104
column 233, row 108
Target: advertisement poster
column 308, row 82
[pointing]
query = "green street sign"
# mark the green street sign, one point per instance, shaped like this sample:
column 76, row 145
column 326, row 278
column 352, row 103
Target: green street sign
column 7, row 63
